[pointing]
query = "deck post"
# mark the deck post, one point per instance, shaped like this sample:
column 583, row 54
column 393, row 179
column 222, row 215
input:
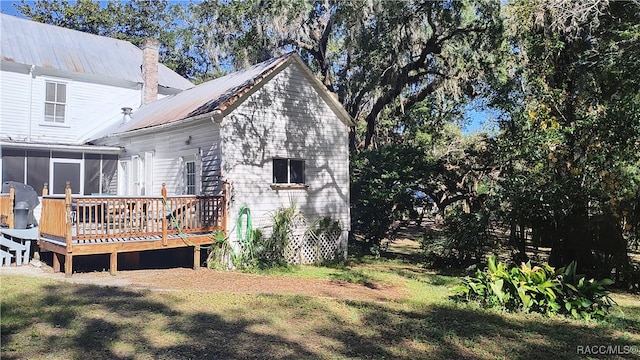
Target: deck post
column 68, row 233
column 113, row 263
column 12, row 198
column 56, row 262
column 225, row 191
column 164, row 216
column 68, row 264
column 196, row 257
column 45, row 192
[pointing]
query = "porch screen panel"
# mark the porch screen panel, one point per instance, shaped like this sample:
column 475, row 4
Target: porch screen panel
column 109, row 171
column 63, row 172
column 37, row 169
column 91, row 174
column 13, row 165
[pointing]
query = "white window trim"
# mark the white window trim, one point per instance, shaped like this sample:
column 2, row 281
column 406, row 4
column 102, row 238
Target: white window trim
column 125, row 188
column 186, row 177
column 137, row 175
column 289, row 185
column 195, row 158
column 148, row 173
column 67, row 117
column 53, row 160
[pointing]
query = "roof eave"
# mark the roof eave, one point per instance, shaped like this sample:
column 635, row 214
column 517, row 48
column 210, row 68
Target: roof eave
column 258, row 82
column 328, row 96
column 144, row 130
column 51, row 146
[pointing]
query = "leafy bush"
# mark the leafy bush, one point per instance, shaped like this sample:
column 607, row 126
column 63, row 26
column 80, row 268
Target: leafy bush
column 539, row 289
column 264, row 250
column 280, row 237
column 379, row 197
column 220, row 254
column 464, row 240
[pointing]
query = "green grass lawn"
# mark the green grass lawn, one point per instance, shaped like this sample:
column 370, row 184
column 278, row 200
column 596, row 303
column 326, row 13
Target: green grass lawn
column 56, row 320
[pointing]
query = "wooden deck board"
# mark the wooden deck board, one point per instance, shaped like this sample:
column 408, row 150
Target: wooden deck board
column 87, row 225
column 105, row 246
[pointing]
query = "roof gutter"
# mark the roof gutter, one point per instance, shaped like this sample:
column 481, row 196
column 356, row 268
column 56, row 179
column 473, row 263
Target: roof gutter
column 30, row 116
column 94, row 148
column 208, row 116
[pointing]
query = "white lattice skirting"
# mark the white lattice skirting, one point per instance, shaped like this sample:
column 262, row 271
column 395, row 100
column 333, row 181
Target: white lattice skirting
column 312, row 246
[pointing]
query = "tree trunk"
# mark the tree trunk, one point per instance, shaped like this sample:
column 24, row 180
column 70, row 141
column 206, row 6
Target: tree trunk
column 574, row 242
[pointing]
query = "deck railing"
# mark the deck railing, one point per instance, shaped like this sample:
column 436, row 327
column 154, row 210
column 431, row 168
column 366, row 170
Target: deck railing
column 106, row 217
column 6, row 207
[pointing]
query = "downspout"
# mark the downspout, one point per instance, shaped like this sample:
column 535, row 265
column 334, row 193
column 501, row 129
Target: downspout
column 30, row 110
column 140, row 87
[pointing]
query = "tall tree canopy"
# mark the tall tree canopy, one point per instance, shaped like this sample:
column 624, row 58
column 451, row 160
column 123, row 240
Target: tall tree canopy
column 571, row 143
column 381, row 57
column 564, row 75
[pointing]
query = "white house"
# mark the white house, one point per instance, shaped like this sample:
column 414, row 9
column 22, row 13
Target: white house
column 82, row 108
column 272, row 132
column 58, row 87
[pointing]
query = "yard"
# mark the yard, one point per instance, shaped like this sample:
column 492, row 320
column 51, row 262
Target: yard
column 371, row 308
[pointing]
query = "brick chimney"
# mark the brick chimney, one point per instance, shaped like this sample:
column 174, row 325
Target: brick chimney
column 149, row 71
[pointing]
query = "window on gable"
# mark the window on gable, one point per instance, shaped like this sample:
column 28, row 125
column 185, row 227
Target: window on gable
column 190, row 177
column 288, row 171
column 55, row 102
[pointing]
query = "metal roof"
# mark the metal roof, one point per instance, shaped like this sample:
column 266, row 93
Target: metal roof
column 217, row 94
column 32, row 43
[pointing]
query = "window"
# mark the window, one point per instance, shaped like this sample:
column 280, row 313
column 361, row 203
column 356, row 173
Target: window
column 55, row 102
column 63, row 170
column 13, row 165
column 288, row 171
column 190, row 177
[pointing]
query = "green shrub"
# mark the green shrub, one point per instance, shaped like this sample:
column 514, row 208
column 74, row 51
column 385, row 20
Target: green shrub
column 379, row 198
column 259, row 251
column 539, row 289
column 220, row 254
column 464, row 240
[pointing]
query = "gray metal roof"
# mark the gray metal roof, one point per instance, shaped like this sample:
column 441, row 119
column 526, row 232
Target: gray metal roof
column 32, row 43
column 217, row 94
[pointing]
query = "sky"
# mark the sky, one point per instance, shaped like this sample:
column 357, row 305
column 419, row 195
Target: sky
column 6, row 7
column 478, row 120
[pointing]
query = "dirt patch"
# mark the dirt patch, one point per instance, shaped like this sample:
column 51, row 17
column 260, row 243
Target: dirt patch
column 209, row 280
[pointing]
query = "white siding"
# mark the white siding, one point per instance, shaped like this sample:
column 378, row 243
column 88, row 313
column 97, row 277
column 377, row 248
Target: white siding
column 14, row 104
column 89, row 106
column 171, row 147
column 286, row 118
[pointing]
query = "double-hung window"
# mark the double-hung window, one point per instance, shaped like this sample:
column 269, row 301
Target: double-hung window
column 55, row 102
column 288, row 171
column 190, row 177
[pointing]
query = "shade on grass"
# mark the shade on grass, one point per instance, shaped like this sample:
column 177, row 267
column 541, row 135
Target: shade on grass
column 48, row 319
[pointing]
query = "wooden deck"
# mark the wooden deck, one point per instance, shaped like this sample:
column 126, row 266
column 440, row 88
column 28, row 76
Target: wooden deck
column 86, row 225
column 6, row 208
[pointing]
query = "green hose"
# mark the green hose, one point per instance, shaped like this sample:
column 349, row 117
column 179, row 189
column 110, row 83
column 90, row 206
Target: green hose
column 176, row 224
column 248, row 233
